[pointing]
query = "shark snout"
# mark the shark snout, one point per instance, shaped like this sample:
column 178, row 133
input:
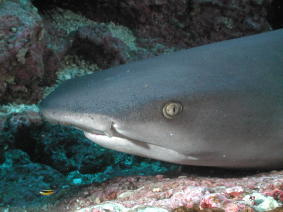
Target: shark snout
column 92, row 123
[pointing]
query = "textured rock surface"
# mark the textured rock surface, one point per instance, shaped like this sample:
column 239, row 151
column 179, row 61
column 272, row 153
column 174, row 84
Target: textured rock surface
column 98, row 44
column 190, row 23
column 182, row 23
column 259, row 192
column 25, row 62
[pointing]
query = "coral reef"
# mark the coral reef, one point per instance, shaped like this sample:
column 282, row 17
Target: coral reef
column 182, row 23
column 167, row 194
column 26, row 64
column 97, row 44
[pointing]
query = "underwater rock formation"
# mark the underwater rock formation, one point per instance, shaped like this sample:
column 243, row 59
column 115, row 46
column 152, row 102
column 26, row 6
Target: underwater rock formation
column 180, row 23
column 249, row 193
column 25, row 61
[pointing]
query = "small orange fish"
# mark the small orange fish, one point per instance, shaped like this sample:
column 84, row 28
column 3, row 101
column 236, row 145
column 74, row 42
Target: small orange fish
column 47, row 192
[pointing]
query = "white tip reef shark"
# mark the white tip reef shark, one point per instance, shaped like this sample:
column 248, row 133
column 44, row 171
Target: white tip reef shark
column 217, row 105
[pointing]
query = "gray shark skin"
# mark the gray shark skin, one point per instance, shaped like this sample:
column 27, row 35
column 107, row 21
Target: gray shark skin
column 230, row 92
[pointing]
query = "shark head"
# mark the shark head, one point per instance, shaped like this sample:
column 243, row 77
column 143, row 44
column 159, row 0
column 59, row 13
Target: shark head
column 208, row 105
column 120, row 113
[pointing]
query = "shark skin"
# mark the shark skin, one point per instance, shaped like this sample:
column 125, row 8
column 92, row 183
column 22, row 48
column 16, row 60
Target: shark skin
column 217, row 105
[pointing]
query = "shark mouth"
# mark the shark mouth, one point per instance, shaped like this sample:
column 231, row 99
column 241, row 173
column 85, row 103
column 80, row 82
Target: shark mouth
column 112, row 139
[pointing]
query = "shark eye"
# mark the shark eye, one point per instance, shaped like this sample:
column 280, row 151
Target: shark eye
column 172, row 109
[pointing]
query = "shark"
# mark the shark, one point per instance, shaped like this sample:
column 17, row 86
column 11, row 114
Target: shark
column 218, row 105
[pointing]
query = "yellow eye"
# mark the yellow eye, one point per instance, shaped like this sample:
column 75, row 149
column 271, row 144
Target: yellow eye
column 172, row 109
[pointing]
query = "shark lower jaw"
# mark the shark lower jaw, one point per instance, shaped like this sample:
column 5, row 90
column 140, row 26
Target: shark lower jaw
column 139, row 148
column 112, row 141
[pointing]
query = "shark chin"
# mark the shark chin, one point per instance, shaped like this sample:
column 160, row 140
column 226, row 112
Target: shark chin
column 139, row 148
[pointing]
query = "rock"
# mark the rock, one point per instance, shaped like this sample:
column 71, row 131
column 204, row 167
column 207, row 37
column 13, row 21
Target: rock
column 25, row 61
column 189, row 193
column 182, row 23
column 98, row 45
